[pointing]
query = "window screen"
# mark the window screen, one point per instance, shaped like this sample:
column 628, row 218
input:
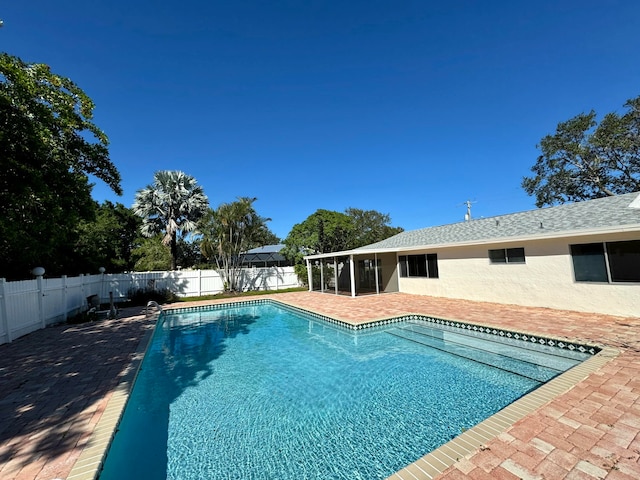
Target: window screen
column 588, row 262
column 419, row 265
column 515, row 255
column 498, row 256
column 624, row 261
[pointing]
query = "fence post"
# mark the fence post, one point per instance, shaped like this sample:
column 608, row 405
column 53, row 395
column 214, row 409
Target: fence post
column 199, row 282
column 3, row 309
column 40, row 299
column 82, row 295
column 64, row 298
column 101, row 294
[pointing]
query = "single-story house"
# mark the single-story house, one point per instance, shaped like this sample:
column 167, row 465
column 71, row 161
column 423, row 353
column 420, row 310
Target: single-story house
column 583, row 256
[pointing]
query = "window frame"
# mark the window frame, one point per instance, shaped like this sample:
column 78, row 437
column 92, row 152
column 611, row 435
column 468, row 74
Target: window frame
column 610, row 258
column 412, row 265
column 583, row 260
column 507, row 256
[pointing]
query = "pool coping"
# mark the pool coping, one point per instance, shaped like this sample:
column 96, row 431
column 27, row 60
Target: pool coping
column 89, row 464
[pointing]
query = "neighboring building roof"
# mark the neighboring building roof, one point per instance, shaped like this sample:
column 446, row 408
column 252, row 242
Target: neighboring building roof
column 621, row 212
column 266, row 249
column 266, row 254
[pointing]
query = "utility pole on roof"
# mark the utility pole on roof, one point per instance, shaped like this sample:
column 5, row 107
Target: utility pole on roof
column 467, row 216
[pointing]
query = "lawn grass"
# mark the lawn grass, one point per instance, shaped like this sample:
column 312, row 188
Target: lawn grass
column 251, row 293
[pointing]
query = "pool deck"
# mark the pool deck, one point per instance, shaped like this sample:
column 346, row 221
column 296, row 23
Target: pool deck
column 56, row 383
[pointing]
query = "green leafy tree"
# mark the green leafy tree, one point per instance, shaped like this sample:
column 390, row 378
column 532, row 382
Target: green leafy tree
column 327, row 231
column 49, row 146
column 108, row 240
column 189, row 254
column 585, row 160
column 370, row 226
column 172, row 205
column 151, row 254
column 324, row 231
column 265, row 237
column 227, row 232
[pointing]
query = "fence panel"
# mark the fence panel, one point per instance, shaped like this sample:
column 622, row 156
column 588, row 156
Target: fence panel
column 199, row 283
column 4, row 321
column 211, row 283
column 22, row 307
column 77, row 291
column 120, row 284
column 28, row 305
column 283, row 278
column 53, row 300
column 268, row 278
column 184, row 283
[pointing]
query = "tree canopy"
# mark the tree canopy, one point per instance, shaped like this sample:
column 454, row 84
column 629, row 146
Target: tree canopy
column 328, row 231
column 151, row 254
column 323, row 231
column 230, row 230
column 172, row 205
column 108, row 240
column 370, row 226
column 585, row 160
column 49, row 146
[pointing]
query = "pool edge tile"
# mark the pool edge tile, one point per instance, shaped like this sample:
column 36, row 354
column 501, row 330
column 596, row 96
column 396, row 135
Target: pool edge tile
column 518, row 410
column 88, row 465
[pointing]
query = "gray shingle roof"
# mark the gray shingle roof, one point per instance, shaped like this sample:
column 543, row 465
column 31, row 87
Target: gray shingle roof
column 601, row 213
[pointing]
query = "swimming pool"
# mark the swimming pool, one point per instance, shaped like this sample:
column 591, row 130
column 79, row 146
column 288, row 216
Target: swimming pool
column 260, row 391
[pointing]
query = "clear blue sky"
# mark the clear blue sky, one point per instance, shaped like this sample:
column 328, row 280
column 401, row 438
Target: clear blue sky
column 405, row 107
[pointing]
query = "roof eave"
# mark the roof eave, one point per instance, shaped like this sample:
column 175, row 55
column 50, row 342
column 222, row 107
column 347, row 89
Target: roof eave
column 487, row 241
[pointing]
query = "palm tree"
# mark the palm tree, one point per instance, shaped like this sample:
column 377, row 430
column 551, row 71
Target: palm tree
column 174, row 203
column 228, row 232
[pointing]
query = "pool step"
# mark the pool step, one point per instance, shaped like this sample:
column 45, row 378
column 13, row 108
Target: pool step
column 525, row 363
column 544, row 355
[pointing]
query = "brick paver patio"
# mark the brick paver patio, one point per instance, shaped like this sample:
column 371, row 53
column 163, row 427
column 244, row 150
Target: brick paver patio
column 55, row 384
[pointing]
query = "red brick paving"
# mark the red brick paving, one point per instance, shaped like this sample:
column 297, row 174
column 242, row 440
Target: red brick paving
column 590, row 432
column 55, row 383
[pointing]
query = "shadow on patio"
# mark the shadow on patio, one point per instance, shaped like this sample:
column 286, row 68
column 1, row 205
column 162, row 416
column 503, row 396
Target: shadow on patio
column 54, row 384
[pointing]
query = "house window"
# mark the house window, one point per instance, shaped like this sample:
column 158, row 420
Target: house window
column 589, row 264
column 419, row 265
column 432, row 265
column 624, row 261
column 606, row 262
column 507, row 255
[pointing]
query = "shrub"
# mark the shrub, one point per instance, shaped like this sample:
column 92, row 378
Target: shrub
column 142, row 296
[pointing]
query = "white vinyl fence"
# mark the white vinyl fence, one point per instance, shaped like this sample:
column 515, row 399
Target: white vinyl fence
column 28, row 305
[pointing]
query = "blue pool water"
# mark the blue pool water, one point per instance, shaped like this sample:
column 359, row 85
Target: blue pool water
column 258, row 392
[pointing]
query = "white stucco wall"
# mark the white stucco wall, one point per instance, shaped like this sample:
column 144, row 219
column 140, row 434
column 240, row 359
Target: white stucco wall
column 545, row 280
